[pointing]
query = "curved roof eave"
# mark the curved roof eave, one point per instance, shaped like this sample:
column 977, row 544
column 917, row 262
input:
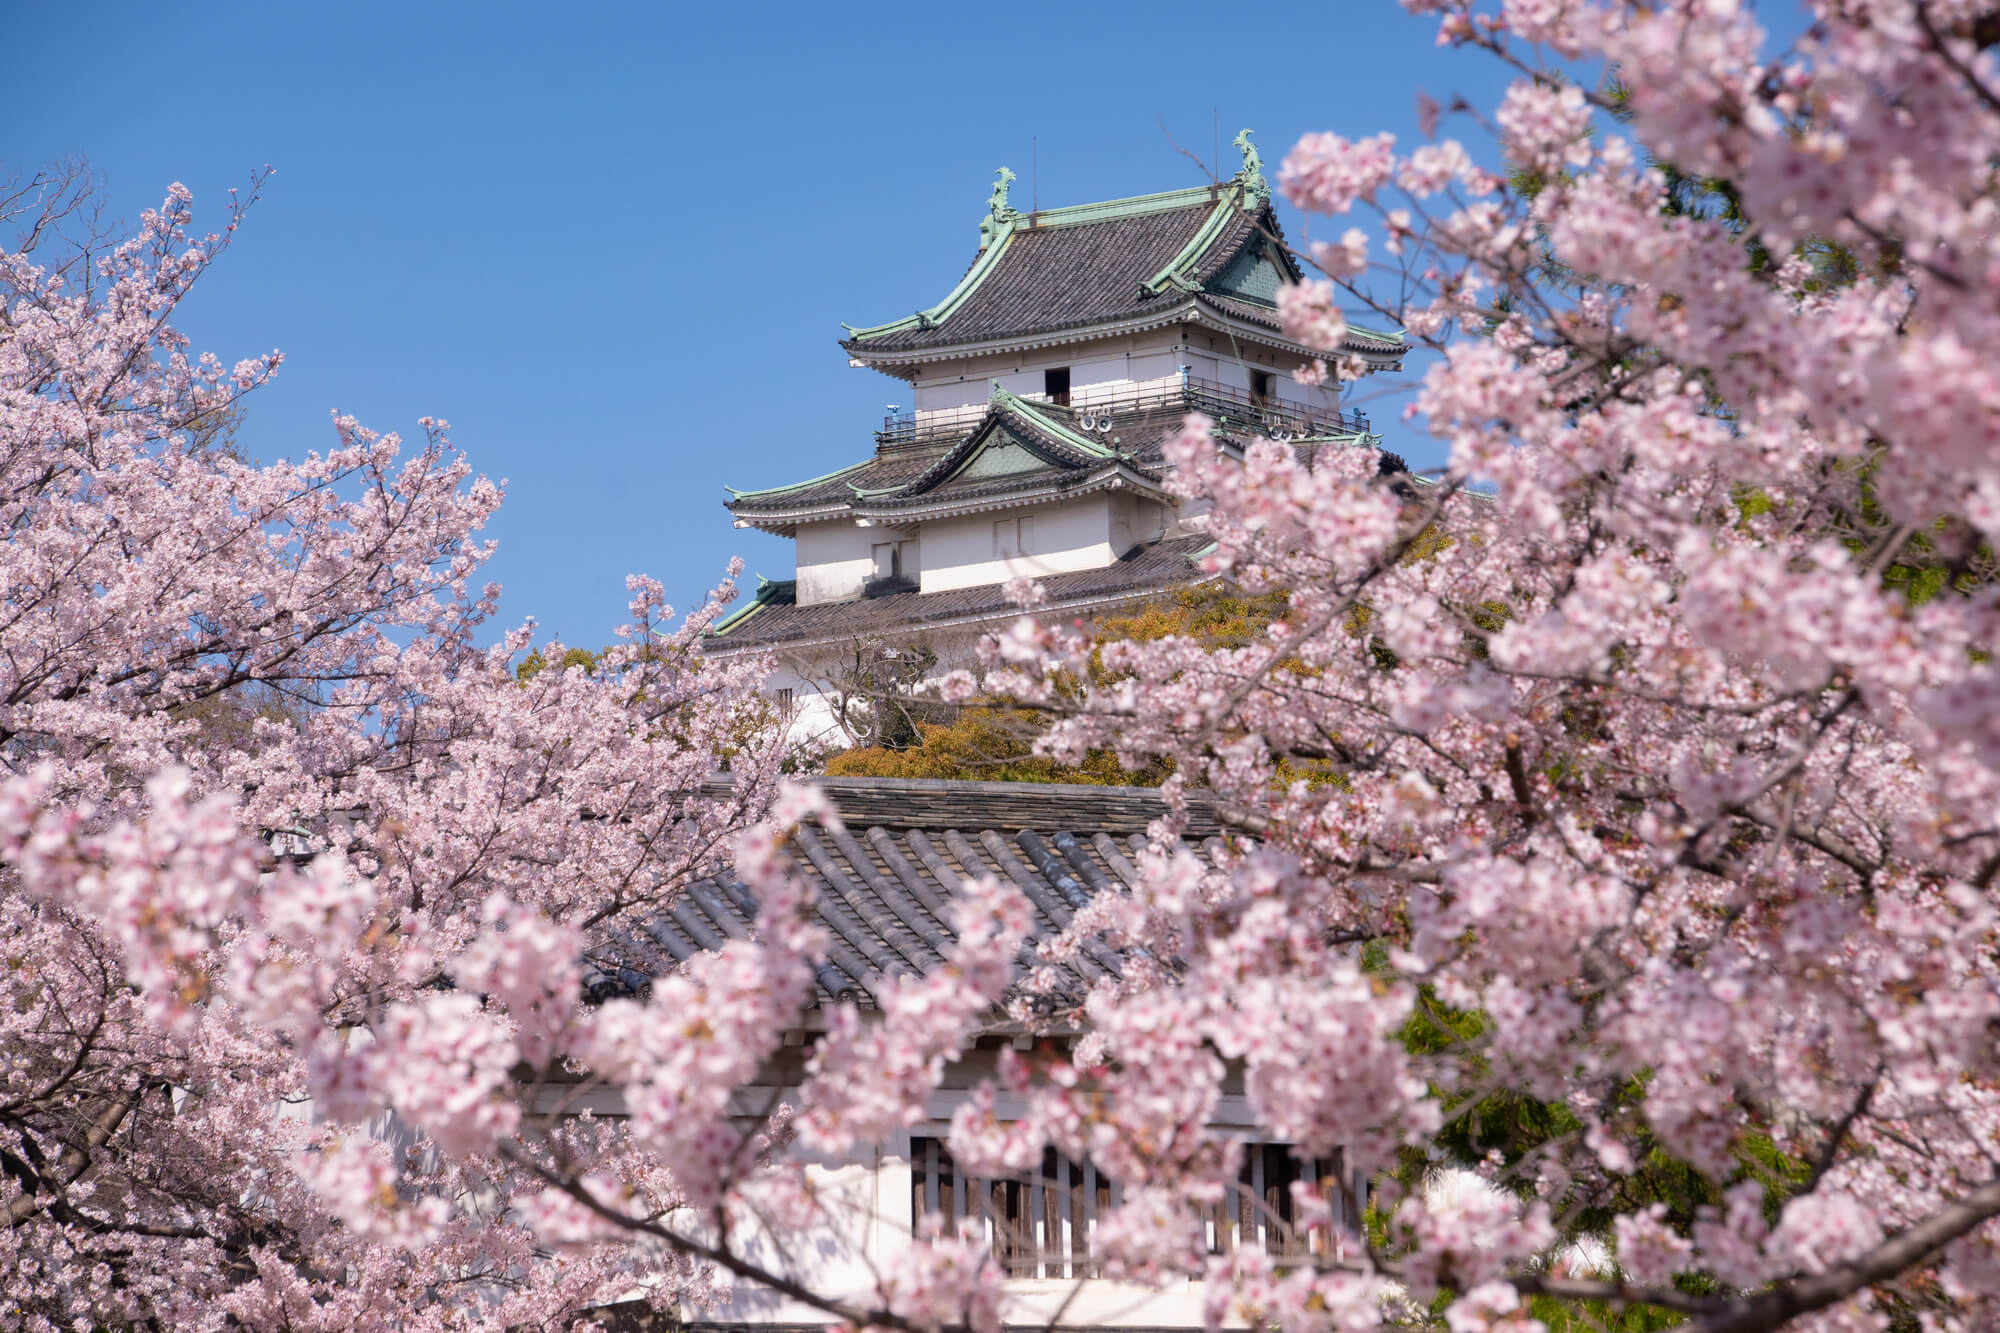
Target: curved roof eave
column 1193, row 309
column 722, row 647
column 1044, row 488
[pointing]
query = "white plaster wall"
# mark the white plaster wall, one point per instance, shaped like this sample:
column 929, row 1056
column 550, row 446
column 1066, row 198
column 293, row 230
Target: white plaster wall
column 835, row 559
column 1116, row 365
column 868, row 1224
column 1213, row 359
column 1202, row 365
column 1135, row 520
column 1183, row 522
column 1233, row 373
column 1105, row 362
column 958, row 553
column 842, row 1259
column 813, row 721
column 1098, row 370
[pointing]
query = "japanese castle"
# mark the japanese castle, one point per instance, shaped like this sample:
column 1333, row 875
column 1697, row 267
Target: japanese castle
column 1044, row 387
column 1046, row 384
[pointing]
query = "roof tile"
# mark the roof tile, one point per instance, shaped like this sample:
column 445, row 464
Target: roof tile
column 885, row 894
column 1070, row 277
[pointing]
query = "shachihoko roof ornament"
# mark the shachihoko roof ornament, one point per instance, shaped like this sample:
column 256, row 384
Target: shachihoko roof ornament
column 1252, row 173
column 999, row 212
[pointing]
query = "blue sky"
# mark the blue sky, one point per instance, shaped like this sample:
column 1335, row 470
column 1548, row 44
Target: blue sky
column 613, row 245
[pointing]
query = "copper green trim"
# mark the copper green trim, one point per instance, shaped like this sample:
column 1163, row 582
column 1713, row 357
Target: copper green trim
column 996, row 229
column 1003, row 222
column 989, row 258
column 1248, row 189
column 1110, row 210
column 767, row 591
column 1393, row 339
column 1357, row 437
column 1191, row 253
column 1075, row 439
column 999, row 213
column 1252, row 174
column 736, row 495
column 1006, row 402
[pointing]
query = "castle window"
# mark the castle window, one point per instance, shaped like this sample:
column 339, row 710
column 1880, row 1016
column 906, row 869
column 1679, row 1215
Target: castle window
column 783, row 699
column 1260, row 388
column 1055, row 385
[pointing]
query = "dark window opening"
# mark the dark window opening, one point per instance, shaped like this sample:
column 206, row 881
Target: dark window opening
column 1260, row 388
column 1055, row 384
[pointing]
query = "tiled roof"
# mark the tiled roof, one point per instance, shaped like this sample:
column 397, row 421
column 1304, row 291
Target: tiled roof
column 886, row 884
column 883, row 470
column 1069, row 277
column 1065, row 272
column 777, row 619
column 896, row 479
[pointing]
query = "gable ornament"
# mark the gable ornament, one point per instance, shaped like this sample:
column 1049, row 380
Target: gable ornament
column 999, row 211
column 1251, row 177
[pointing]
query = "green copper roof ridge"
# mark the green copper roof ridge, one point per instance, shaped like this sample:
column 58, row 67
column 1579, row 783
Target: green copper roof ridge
column 989, row 258
column 1015, row 403
column 1138, row 205
column 737, row 495
column 1204, row 236
column 766, row 590
column 1396, row 338
column 1337, row 437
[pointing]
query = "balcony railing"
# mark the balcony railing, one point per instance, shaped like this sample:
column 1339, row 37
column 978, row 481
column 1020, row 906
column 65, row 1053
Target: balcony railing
column 1227, row 404
column 1041, row 1224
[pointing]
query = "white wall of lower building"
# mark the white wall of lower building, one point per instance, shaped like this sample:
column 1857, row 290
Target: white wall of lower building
column 869, row 1221
column 835, row 559
column 1062, row 539
column 1135, row 520
column 798, row 686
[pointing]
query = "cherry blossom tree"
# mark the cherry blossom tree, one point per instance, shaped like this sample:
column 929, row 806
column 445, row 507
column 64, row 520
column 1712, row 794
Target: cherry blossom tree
column 1647, row 797
column 195, row 1029
column 1613, row 819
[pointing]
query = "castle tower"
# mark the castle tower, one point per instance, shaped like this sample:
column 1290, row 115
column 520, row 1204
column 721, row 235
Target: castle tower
column 1044, row 387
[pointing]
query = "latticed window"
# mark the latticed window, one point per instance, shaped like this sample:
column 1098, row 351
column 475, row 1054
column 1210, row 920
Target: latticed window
column 1040, row 1224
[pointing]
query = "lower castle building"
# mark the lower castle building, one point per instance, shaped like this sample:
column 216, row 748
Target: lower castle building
column 884, row 886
